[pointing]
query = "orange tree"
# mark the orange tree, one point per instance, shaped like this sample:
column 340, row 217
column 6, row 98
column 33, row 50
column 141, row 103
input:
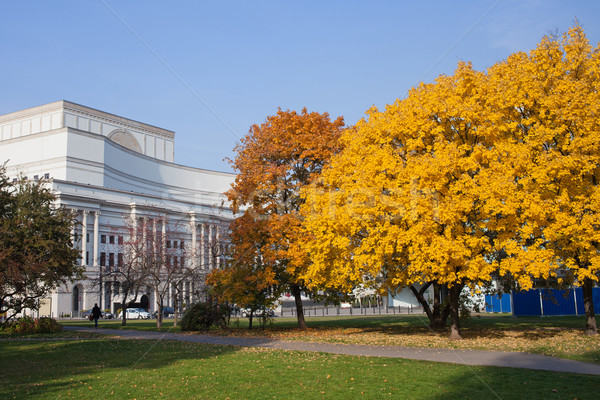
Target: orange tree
column 275, row 160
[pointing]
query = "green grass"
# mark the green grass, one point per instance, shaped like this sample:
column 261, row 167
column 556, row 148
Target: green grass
column 116, row 369
column 57, row 335
column 138, row 324
column 488, row 321
column 553, row 336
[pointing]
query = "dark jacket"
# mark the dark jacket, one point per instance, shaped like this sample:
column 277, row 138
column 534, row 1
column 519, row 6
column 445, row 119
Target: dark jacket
column 96, row 313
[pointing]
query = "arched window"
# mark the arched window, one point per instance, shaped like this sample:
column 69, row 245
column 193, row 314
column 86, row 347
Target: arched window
column 76, row 300
column 145, row 302
column 125, row 139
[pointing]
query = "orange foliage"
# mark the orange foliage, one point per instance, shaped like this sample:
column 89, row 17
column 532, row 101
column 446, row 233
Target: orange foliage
column 275, row 160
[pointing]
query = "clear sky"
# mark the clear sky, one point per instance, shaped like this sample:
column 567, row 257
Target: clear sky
column 209, row 70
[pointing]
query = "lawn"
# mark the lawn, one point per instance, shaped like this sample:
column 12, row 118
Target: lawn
column 554, row 336
column 134, row 369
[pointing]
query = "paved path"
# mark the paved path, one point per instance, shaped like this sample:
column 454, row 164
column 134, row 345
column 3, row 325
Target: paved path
column 468, row 357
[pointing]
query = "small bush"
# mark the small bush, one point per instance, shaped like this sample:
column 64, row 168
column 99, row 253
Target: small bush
column 30, row 325
column 203, row 315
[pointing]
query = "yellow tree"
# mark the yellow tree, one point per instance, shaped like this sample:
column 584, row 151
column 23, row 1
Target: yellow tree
column 406, row 198
column 548, row 105
column 275, row 160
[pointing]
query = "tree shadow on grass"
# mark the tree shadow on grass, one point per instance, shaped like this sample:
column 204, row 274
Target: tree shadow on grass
column 514, row 383
column 36, row 367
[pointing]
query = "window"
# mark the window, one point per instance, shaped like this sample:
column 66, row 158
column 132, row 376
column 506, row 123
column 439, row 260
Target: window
column 168, row 244
column 102, row 238
column 111, row 259
column 175, row 262
column 120, row 239
column 174, row 244
column 111, row 239
column 181, row 261
column 87, row 237
column 87, row 258
column 120, row 260
column 46, row 176
column 181, row 245
column 103, row 259
column 36, row 177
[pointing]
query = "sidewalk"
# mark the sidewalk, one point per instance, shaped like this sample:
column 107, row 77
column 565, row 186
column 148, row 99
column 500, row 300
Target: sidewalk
column 467, row 357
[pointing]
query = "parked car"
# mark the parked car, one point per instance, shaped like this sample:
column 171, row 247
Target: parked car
column 245, row 312
column 86, row 314
column 167, row 312
column 135, row 313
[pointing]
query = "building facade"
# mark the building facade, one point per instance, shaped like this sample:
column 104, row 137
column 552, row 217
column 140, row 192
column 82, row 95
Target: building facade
column 113, row 171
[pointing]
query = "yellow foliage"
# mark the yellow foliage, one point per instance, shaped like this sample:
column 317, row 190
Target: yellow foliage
column 405, row 199
column 549, row 103
column 474, row 174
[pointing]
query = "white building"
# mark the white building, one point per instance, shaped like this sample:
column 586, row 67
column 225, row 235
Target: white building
column 107, row 168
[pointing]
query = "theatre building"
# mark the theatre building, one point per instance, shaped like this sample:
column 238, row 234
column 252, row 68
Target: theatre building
column 113, row 171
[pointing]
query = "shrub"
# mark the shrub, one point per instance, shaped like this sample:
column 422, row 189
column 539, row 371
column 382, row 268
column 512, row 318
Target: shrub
column 30, row 325
column 203, row 315
column 47, row 325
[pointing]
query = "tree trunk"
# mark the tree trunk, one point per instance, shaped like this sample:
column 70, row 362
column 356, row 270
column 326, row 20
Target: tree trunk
column 250, row 319
column 588, row 304
column 124, row 310
column 175, row 311
column 438, row 315
column 441, row 307
column 124, row 319
column 454, row 294
column 299, row 308
column 159, row 316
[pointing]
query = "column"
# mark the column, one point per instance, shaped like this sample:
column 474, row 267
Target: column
column 144, row 245
column 202, row 248
column 133, row 216
column 96, row 237
column 96, row 245
column 83, row 236
column 164, row 240
column 210, row 247
column 194, row 242
column 218, row 246
column 74, row 211
column 154, row 240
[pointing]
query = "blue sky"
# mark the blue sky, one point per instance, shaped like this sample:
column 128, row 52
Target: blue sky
column 209, row 70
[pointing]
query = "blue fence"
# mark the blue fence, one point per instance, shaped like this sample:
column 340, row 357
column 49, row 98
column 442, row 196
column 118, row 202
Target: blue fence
column 498, row 304
column 552, row 302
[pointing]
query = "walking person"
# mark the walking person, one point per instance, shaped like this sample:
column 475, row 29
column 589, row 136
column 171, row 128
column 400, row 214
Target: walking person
column 96, row 313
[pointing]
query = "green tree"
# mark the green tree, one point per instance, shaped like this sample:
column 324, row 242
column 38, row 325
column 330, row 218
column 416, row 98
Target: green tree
column 36, row 249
